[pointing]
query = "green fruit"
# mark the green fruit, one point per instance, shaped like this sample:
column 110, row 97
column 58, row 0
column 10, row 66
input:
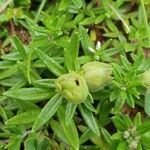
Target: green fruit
column 73, row 87
column 97, row 75
column 145, row 79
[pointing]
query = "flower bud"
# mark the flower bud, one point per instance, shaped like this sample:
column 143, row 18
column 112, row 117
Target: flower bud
column 145, row 78
column 73, row 87
column 97, row 75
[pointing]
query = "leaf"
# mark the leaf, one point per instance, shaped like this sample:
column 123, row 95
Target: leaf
column 145, row 140
column 45, row 144
column 31, row 144
column 19, row 46
column 25, row 105
column 3, row 113
column 69, row 130
column 11, row 81
column 106, row 136
column 74, row 46
column 9, row 72
column 137, row 119
column 89, row 119
column 145, row 127
column 122, row 146
column 31, row 94
column 24, row 118
column 47, row 112
column 44, row 83
column 70, row 110
column 55, row 125
column 63, row 4
column 85, row 40
column 88, row 134
column 14, row 143
column 53, row 66
column 23, row 68
column 147, row 102
column 69, row 64
column 78, row 3
column 88, row 103
column 119, row 123
column 6, row 64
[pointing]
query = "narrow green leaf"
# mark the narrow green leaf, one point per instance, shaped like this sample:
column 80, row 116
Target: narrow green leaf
column 14, row 143
column 106, row 135
column 31, row 144
column 25, row 105
column 137, row 119
column 68, row 61
column 31, row 94
column 55, row 125
column 48, row 111
column 6, row 64
column 85, row 40
column 9, row 72
column 24, row 118
column 145, row 127
column 3, row 113
column 88, row 103
column 89, row 119
column 70, row 110
column 44, row 83
column 53, row 66
column 88, row 134
column 78, row 3
column 122, row 146
column 69, row 130
column 147, row 102
column 33, row 75
column 19, row 46
column 74, row 46
column 11, row 81
column 64, row 4
column 43, row 2
column 119, row 123
column 45, row 144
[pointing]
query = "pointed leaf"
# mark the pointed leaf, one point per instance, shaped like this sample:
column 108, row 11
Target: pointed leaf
column 53, row 66
column 31, row 94
column 9, row 72
column 24, row 118
column 147, row 102
column 78, row 3
column 69, row 64
column 70, row 110
column 48, row 111
column 89, row 119
column 19, row 46
column 85, row 40
column 69, row 130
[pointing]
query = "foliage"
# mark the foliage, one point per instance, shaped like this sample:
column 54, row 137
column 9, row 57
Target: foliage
column 72, row 72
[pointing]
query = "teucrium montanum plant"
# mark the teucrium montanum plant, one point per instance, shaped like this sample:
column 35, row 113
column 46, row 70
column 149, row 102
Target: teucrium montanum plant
column 45, row 84
column 71, row 86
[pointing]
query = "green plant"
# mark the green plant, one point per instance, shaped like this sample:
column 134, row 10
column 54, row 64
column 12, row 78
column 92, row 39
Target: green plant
column 74, row 75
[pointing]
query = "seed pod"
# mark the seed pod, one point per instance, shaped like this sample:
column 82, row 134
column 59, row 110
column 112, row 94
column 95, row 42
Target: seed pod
column 145, row 78
column 97, row 75
column 73, row 87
